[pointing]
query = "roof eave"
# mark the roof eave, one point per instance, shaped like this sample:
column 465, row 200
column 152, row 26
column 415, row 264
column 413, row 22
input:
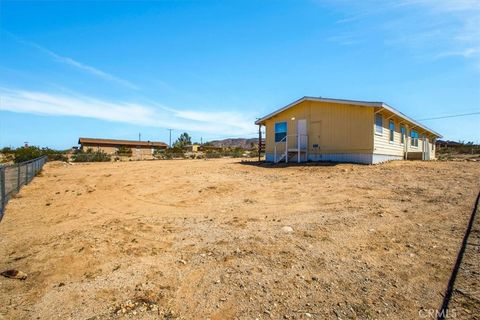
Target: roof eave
column 268, row 116
column 354, row 102
column 416, row 123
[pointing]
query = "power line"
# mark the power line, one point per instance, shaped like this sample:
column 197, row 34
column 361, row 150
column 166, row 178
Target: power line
column 451, row 116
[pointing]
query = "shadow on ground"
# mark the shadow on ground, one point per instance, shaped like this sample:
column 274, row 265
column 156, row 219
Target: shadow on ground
column 264, row 164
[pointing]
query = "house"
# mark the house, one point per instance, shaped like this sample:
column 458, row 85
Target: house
column 195, row 147
column 322, row 129
column 130, row 148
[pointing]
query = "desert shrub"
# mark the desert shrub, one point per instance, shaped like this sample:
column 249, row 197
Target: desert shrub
column 254, row 153
column 169, row 153
column 91, row 156
column 213, row 154
column 7, row 150
column 27, row 153
column 6, row 157
column 124, row 151
column 236, row 153
column 23, row 154
column 160, row 154
column 57, row 157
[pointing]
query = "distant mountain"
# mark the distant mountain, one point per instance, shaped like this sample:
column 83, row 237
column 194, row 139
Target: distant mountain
column 236, row 143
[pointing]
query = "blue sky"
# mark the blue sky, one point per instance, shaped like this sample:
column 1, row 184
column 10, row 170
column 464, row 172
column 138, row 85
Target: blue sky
column 116, row 68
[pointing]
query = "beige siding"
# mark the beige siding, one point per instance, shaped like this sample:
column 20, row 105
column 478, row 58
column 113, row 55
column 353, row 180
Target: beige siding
column 335, row 128
column 137, row 153
column 382, row 144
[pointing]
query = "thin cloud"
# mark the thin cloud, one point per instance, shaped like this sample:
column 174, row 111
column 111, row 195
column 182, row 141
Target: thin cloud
column 428, row 28
column 464, row 53
column 152, row 115
column 75, row 64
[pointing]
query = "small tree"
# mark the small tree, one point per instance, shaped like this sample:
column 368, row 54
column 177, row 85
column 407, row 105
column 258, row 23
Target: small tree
column 6, row 150
column 183, row 141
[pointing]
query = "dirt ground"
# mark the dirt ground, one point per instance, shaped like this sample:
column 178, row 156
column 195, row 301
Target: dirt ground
column 218, row 239
column 465, row 302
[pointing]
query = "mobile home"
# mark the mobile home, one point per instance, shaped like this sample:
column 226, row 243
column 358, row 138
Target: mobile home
column 138, row 149
column 323, row 129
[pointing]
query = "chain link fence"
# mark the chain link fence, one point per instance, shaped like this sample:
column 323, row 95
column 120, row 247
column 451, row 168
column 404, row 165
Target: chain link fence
column 14, row 176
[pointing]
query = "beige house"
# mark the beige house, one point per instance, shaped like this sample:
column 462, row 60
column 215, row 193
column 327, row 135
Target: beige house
column 321, row 129
column 135, row 149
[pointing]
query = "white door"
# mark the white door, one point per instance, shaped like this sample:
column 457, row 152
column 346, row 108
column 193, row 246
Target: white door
column 302, row 133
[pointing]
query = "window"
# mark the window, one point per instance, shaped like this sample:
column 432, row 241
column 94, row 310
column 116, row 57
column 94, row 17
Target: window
column 280, row 131
column 392, row 130
column 378, row 124
column 402, row 134
column 414, row 138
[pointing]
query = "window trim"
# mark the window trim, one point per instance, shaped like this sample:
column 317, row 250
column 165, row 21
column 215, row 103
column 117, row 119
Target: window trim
column 414, row 139
column 391, row 132
column 377, row 126
column 275, row 130
column 403, row 134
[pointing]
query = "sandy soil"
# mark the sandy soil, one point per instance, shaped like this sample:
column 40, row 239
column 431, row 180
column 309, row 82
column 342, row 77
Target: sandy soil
column 465, row 302
column 198, row 239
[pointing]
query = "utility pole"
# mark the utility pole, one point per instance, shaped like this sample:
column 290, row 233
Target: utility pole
column 170, row 139
column 139, row 136
column 260, row 142
column 201, row 140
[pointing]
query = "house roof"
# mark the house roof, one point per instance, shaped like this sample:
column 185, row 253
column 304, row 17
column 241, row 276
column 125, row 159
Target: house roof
column 373, row 104
column 115, row 142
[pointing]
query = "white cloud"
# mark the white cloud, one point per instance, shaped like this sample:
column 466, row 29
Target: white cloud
column 154, row 115
column 76, row 64
column 468, row 52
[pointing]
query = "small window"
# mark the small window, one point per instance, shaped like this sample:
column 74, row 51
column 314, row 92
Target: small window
column 414, row 138
column 280, row 131
column 378, row 124
column 392, row 130
column 402, row 134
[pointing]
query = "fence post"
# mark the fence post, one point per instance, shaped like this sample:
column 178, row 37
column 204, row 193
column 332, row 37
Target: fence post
column 26, row 173
column 32, row 167
column 3, row 193
column 19, row 168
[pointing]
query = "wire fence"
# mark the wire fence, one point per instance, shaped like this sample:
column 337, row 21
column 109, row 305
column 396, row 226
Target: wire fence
column 14, row 176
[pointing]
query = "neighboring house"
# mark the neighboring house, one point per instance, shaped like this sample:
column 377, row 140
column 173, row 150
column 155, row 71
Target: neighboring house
column 202, row 148
column 192, row 147
column 139, row 149
column 321, row 129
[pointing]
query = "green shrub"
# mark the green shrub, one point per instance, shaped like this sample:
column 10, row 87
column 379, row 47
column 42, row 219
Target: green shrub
column 213, row 154
column 27, row 153
column 91, row 156
column 57, row 157
column 169, row 153
column 124, row 151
